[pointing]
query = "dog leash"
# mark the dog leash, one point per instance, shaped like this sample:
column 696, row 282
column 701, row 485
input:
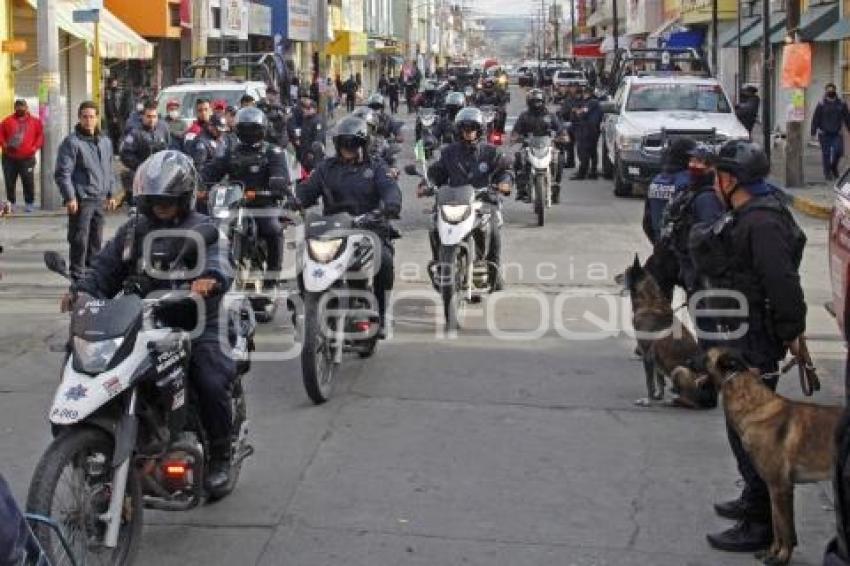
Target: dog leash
column 809, row 381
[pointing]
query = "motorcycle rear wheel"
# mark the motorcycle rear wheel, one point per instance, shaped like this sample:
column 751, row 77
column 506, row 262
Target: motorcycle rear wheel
column 89, row 493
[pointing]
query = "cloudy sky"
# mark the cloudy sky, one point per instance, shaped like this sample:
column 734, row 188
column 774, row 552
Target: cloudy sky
column 505, row 7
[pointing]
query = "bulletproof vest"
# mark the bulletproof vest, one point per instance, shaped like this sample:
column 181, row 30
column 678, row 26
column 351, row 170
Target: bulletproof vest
column 246, row 165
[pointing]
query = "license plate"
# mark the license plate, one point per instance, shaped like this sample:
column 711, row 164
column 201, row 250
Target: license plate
column 634, row 170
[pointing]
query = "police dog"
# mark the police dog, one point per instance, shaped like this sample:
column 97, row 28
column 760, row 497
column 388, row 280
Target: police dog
column 667, row 347
column 788, row 441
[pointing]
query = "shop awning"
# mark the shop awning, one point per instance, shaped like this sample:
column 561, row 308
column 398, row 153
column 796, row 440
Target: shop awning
column 588, row 50
column 691, row 38
column 730, row 37
column 665, row 29
column 754, row 35
column 349, row 44
column 839, row 30
column 813, row 22
column 117, row 40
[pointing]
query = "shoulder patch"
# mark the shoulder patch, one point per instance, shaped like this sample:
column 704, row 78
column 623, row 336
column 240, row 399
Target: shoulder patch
column 128, row 138
column 368, row 173
column 483, row 167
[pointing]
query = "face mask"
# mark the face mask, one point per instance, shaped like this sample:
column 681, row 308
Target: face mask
column 831, row 94
column 697, row 171
column 173, row 114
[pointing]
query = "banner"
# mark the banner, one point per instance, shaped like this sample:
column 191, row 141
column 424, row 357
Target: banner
column 301, row 18
column 797, row 65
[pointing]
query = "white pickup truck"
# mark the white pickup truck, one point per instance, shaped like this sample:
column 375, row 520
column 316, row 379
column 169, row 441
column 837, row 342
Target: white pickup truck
column 648, row 112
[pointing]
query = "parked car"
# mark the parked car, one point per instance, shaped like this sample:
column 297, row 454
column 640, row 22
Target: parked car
column 565, row 78
column 839, row 254
column 188, row 92
column 647, row 113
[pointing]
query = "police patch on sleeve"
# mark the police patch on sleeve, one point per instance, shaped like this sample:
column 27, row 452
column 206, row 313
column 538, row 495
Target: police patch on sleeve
column 368, row 173
column 128, row 138
column 483, row 167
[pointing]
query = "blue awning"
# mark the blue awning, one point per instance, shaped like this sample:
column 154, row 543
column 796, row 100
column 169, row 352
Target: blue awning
column 691, row 38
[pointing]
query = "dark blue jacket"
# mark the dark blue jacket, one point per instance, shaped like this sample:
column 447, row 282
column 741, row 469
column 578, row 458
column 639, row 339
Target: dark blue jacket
column 464, row 164
column 355, row 188
column 204, row 149
column 830, row 116
column 84, row 167
column 260, row 168
column 140, row 143
column 109, row 270
column 661, row 189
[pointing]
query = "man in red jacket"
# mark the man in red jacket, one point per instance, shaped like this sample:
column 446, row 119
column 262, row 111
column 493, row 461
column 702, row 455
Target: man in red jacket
column 21, row 136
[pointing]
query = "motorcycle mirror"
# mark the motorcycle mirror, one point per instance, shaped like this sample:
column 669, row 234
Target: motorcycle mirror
column 411, row 170
column 56, row 263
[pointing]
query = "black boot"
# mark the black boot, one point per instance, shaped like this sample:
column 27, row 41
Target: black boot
column 745, row 536
column 218, row 472
column 556, row 194
column 739, row 509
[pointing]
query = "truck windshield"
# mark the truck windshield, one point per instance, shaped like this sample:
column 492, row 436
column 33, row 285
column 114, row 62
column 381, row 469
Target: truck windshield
column 672, row 96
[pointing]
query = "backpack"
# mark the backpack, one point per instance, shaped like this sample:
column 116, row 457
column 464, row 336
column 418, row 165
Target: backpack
column 677, row 220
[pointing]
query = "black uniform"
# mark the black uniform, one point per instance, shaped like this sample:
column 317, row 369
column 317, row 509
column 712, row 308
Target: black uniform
column 387, row 127
column 586, row 123
column 262, row 168
column 357, row 188
column 139, row 144
column 211, row 371
column 393, row 95
column 478, row 165
column 303, row 134
column 532, row 123
column 756, row 250
column 747, row 111
column 276, row 115
column 112, row 105
column 495, row 98
column 566, row 115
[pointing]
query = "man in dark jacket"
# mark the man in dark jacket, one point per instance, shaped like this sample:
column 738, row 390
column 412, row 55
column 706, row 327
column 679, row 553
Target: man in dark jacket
column 587, row 119
column 473, row 161
column 747, row 109
column 831, row 116
column 140, row 143
column 86, row 182
column 112, row 104
column 568, row 104
column 753, row 250
column 349, row 88
column 308, row 134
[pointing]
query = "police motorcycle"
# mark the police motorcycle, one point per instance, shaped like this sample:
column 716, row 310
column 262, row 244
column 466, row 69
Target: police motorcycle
column 340, row 314
column 463, row 222
column 127, row 433
column 494, row 136
column 537, row 153
column 426, row 119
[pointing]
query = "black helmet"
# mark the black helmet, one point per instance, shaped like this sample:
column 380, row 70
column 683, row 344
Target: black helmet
column 677, row 154
column 368, row 116
column 488, row 83
column 705, row 153
column 535, row 99
column 251, row 125
column 351, row 132
column 376, row 101
column 469, row 118
column 745, row 160
column 166, row 177
column 218, row 122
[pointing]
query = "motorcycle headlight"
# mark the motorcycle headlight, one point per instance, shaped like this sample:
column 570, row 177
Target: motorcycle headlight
column 428, row 122
column 454, row 213
column 324, row 251
column 94, row 357
column 503, row 79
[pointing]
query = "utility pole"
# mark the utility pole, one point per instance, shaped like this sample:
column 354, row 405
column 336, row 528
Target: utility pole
column 428, row 71
column 322, row 21
column 97, row 68
column 200, row 28
column 557, row 24
column 794, row 143
column 714, row 25
column 48, row 99
column 740, row 82
column 573, row 27
column 616, row 27
column 766, row 119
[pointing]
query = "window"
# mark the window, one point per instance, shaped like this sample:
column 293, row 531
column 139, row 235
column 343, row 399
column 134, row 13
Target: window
column 174, row 15
column 216, row 18
column 672, row 96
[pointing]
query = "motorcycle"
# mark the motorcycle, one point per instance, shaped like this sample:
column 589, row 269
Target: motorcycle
column 340, row 313
column 464, row 218
column 229, row 209
column 426, row 121
column 537, row 153
column 126, row 426
column 491, row 129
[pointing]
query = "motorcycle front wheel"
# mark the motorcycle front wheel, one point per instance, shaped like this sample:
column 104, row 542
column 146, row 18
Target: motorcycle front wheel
column 317, row 357
column 540, row 198
column 72, row 484
column 452, row 271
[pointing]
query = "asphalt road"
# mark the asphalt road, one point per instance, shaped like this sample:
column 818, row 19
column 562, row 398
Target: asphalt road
column 516, row 442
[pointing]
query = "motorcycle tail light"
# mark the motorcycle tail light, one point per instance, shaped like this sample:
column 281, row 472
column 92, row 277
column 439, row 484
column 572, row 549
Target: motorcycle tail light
column 175, row 470
column 496, row 138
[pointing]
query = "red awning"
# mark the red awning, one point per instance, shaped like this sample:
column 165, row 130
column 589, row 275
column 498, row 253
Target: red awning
column 588, row 50
column 186, row 14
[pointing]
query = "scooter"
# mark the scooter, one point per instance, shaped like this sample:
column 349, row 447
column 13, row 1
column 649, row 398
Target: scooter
column 464, row 218
column 127, row 430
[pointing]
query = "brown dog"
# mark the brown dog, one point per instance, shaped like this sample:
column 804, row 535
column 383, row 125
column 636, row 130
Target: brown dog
column 666, row 345
column 788, row 441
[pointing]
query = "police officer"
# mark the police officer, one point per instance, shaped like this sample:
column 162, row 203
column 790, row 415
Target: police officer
column 276, row 116
column 307, row 134
column 472, row 161
column 432, row 96
column 444, row 129
column 754, row 249
column 587, row 119
column 352, row 182
column 379, row 148
column 387, row 127
column 140, row 143
column 568, row 104
column 490, row 95
column 210, row 144
column 261, row 166
column 536, row 121
column 164, row 191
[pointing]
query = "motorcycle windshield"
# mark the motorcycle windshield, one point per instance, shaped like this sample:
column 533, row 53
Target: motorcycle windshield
column 224, row 197
column 426, row 113
column 455, row 195
column 539, row 142
column 103, row 319
column 318, row 226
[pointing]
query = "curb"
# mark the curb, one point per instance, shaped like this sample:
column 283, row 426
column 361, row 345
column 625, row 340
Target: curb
column 811, row 208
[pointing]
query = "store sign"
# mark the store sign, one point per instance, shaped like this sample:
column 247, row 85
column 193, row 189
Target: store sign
column 260, row 19
column 302, row 14
column 233, row 19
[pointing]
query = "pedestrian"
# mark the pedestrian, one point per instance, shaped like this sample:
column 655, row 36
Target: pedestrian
column 112, row 105
column 747, row 109
column 587, row 121
column 350, row 90
column 333, row 95
column 86, row 182
column 382, row 84
column 752, row 255
column 21, row 137
column 203, row 113
column 830, row 115
column 393, row 94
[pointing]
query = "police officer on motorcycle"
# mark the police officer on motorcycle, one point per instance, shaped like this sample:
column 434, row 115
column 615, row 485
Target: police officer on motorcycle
column 259, row 165
column 472, row 161
column 164, row 192
column 536, row 121
column 754, row 249
column 444, row 129
column 490, row 95
column 353, row 182
column 379, row 148
column 276, row 116
column 388, row 128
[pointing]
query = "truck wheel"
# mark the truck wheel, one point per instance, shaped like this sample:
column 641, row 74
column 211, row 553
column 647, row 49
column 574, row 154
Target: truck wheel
column 607, row 165
column 622, row 188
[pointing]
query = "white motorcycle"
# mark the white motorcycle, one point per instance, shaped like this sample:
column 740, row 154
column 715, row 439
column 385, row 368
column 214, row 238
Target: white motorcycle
column 340, row 308
column 464, row 219
column 538, row 153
